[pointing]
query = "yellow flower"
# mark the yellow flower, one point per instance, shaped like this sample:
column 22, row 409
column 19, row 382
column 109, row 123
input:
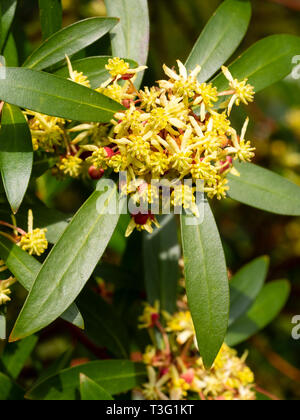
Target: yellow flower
column 117, row 67
column 76, row 77
column 47, row 132
column 150, row 316
column 243, row 91
column 5, row 290
column 71, row 165
column 34, row 242
column 182, row 325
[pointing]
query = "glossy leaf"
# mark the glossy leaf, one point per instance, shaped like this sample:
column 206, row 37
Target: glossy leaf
column 8, row 10
column 10, row 52
column 16, row 155
column 265, row 190
column 69, row 267
column 161, row 256
column 115, row 376
column 220, row 38
column 265, row 63
column 51, row 17
column 93, row 68
column 55, row 96
column 25, row 268
column 130, row 38
column 91, row 391
column 245, row 287
column 69, row 41
column 206, row 283
column 267, row 306
column 16, row 355
column 100, row 316
column 9, row 391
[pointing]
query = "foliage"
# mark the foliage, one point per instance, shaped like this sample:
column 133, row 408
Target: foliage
column 73, row 113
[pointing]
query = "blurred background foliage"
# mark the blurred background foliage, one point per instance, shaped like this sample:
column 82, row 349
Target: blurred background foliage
column 246, row 232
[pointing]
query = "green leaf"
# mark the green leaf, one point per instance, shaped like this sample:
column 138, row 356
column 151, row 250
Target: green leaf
column 8, row 10
column 245, row 287
column 99, row 315
column 25, row 268
column 267, row 306
column 16, row 155
column 69, row 41
column 59, row 364
column 91, row 391
column 16, row 355
column 130, row 38
column 206, row 282
column 10, row 52
column 55, row 96
column 115, row 376
column 70, row 267
column 9, row 391
column 161, row 255
column 265, row 190
column 265, row 63
column 93, row 68
column 220, row 38
column 51, row 16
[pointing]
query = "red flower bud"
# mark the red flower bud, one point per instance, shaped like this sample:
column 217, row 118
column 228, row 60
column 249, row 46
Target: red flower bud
column 127, row 76
column 142, row 219
column 95, row 173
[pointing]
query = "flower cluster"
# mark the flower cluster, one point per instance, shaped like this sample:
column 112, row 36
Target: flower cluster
column 175, row 131
column 176, row 370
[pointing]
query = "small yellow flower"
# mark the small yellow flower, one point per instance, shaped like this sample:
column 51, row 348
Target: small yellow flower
column 243, row 91
column 150, row 315
column 5, row 290
column 34, row 242
column 117, row 67
column 76, row 77
column 71, row 165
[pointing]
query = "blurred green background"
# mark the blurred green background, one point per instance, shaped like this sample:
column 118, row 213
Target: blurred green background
column 246, row 232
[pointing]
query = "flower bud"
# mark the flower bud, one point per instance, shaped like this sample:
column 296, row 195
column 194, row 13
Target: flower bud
column 95, row 173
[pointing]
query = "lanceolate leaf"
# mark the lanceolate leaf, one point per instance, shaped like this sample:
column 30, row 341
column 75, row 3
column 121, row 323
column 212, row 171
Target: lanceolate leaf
column 115, row 376
column 93, row 68
column 220, row 38
column 16, row 154
column 265, row 63
column 55, row 96
column 268, row 305
column 69, row 267
column 51, row 16
column 206, row 283
column 7, row 11
column 265, row 190
column 25, row 268
column 245, row 286
column 68, row 41
column 10, row 52
column 161, row 256
column 130, row 38
column 16, row 355
column 91, row 391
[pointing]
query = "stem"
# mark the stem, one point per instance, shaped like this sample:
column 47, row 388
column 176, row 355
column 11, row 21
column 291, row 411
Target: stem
column 6, row 235
column 21, row 231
